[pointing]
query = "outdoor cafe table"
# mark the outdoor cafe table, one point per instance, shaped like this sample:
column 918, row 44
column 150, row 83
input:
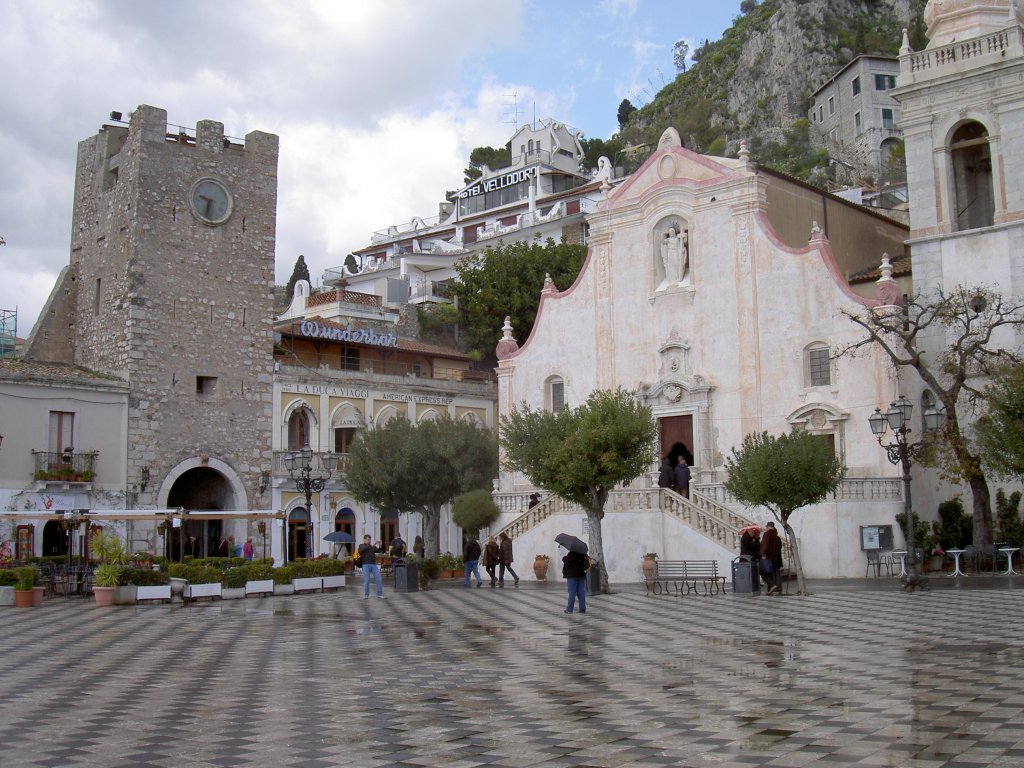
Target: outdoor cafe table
column 902, row 555
column 956, row 561
column 1008, row 551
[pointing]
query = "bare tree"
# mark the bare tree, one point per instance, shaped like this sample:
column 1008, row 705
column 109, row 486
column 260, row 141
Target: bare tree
column 951, row 340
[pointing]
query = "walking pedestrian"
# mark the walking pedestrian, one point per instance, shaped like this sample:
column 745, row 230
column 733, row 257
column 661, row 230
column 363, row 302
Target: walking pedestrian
column 666, row 474
column 368, row 559
column 682, row 479
column 505, row 563
column 574, row 570
column 418, row 548
column 771, row 559
column 222, row 548
column 471, row 560
column 492, row 556
column 397, row 546
column 247, row 550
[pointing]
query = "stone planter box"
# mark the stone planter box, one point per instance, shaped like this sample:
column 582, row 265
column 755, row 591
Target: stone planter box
column 332, row 582
column 232, row 593
column 158, row 592
column 307, row 584
column 284, row 589
column 260, row 587
column 6, row 596
column 126, row 595
column 178, row 586
column 192, row 591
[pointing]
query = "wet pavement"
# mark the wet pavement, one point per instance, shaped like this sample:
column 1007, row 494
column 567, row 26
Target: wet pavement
column 857, row 674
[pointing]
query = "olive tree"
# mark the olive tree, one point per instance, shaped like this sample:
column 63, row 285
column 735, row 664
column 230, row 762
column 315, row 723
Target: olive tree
column 581, row 454
column 784, row 474
column 406, row 467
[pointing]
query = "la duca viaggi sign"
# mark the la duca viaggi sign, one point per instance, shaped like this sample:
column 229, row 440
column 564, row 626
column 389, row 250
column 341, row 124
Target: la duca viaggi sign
column 313, row 330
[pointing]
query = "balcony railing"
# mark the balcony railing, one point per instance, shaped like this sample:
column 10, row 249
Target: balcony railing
column 65, row 466
column 323, row 462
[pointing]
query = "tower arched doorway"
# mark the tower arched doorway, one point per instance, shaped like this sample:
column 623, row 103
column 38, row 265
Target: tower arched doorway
column 199, row 489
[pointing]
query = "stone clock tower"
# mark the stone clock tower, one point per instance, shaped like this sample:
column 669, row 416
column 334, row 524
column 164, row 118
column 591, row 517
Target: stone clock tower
column 170, row 288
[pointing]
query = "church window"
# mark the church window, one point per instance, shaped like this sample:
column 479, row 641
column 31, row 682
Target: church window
column 555, row 394
column 972, row 177
column 817, row 365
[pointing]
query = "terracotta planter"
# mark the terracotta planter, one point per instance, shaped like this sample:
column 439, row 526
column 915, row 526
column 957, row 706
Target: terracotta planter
column 104, row 595
column 540, row 569
column 23, row 598
column 37, row 596
column 649, row 565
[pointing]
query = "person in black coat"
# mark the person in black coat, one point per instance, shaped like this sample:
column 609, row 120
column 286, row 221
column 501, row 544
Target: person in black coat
column 491, row 558
column 574, row 570
column 682, row 479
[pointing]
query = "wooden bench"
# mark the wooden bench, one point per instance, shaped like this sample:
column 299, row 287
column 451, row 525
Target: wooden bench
column 685, row 577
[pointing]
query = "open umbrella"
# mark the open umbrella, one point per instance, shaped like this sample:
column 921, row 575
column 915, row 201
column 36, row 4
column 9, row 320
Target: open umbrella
column 339, row 537
column 749, row 529
column 572, row 543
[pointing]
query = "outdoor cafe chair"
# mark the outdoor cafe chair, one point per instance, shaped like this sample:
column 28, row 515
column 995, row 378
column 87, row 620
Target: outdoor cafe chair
column 991, row 553
column 970, row 557
column 877, row 562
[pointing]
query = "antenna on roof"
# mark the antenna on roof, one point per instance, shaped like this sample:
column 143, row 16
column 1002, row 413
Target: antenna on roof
column 515, row 111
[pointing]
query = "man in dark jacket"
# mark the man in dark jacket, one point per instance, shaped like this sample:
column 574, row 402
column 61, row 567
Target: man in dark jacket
column 505, row 562
column 368, row 560
column 471, row 559
column 574, row 570
column 682, row 479
column 666, row 475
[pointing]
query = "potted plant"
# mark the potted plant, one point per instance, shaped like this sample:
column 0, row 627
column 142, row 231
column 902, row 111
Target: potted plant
column 26, row 577
column 540, row 567
column 283, row 580
column 649, row 564
column 149, row 584
column 305, row 578
column 332, row 572
column 104, row 583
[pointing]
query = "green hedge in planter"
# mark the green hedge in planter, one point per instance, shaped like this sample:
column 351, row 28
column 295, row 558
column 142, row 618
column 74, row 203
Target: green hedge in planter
column 177, row 570
column 8, row 577
column 328, row 566
column 260, row 571
column 144, row 577
column 203, row 574
column 235, row 578
column 284, row 574
column 303, row 569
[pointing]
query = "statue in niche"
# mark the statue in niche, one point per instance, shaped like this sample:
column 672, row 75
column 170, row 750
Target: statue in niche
column 675, row 256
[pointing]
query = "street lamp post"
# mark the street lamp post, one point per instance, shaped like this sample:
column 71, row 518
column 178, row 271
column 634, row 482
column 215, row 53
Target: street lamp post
column 307, row 482
column 901, row 452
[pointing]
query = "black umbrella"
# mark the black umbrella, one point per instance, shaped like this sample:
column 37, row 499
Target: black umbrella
column 572, row 543
column 339, row 537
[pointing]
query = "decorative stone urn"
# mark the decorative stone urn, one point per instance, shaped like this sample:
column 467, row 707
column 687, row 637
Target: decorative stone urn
column 540, row 568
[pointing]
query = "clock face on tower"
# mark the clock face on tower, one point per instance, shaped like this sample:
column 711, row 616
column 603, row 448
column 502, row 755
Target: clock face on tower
column 210, row 201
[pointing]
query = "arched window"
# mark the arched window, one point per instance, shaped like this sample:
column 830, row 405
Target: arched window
column 971, row 160
column 298, row 430
column 817, row 365
column 554, row 395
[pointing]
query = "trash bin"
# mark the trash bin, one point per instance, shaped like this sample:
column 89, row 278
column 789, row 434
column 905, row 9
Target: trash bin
column 744, row 576
column 406, row 575
column 594, row 580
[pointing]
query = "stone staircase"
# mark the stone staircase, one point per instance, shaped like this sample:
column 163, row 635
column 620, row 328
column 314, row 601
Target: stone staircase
column 701, row 513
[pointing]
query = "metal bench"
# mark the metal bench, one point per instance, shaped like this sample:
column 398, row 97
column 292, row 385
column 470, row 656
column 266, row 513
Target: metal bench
column 685, row 577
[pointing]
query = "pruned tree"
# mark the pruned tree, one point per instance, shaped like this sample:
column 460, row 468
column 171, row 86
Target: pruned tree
column 784, row 474
column 506, row 281
column 474, row 510
column 299, row 272
column 406, row 467
column 581, row 454
column 351, row 265
column 961, row 327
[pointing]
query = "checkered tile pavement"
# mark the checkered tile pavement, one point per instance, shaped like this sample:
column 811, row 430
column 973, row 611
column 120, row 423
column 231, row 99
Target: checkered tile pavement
column 469, row 677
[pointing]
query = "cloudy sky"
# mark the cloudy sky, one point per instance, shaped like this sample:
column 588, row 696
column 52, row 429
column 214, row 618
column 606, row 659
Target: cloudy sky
column 377, row 102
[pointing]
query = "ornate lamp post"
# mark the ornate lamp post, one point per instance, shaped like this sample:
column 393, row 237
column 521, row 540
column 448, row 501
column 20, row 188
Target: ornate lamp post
column 261, row 526
column 901, row 452
column 307, row 482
